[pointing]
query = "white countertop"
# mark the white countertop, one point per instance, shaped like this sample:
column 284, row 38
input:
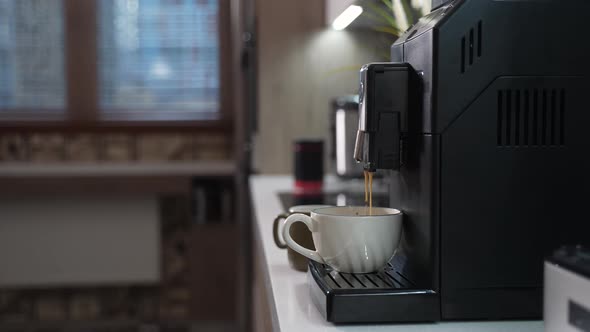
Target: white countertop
column 290, row 303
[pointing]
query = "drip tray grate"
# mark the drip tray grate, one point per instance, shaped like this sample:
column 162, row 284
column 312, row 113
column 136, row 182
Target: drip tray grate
column 384, row 296
column 388, row 278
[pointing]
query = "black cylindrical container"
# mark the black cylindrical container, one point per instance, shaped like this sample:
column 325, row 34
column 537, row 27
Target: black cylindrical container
column 309, row 166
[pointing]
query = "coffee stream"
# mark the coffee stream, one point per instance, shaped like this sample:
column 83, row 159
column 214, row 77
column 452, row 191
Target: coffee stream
column 369, row 191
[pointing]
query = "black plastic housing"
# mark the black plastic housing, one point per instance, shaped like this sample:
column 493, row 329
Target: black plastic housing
column 495, row 171
column 389, row 92
column 494, row 174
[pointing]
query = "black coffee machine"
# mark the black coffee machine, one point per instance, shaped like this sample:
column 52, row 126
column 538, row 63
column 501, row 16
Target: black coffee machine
column 480, row 120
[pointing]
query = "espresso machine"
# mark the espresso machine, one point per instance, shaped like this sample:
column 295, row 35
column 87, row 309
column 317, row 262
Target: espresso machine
column 479, row 122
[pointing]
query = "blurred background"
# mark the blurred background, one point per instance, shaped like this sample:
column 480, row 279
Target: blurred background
column 128, row 130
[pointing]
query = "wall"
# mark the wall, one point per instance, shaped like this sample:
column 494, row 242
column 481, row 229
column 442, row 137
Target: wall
column 302, row 65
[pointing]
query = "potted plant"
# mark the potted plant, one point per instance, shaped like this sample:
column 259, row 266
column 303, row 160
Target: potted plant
column 393, row 17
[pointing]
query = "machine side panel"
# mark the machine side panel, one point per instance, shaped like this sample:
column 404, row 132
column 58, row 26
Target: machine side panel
column 479, row 41
column 514, row 187
column 415, row 189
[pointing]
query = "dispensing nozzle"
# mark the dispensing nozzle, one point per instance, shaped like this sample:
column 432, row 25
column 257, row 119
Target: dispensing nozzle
column 361, row 151
column 383, row 97
column 361, row 145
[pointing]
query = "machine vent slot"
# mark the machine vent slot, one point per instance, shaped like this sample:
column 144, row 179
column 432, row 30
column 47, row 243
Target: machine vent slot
column 562, row 117
column 471, row 46
column 552, row 122
column 517, row 118
column 530, row 118
column 471, row 42
column 462, row 55
column 535, row 117
column 526, row 116
column 479, row 38
column 544, row 119
column 500, row 120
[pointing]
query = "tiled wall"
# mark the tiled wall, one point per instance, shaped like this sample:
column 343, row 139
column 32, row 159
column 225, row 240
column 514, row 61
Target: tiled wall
column 113, row 147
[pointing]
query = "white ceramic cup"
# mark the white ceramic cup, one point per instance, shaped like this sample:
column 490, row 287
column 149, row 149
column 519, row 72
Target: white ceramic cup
column 347, row 239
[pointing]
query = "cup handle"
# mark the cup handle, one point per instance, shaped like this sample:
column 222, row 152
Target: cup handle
column 311, row 254
column 275, row 231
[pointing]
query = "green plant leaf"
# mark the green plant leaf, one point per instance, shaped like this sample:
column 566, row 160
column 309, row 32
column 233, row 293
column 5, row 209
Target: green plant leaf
column 387, row 29
column 374, row 18
column 409, row 10
column 383, row 14
column 388, row 3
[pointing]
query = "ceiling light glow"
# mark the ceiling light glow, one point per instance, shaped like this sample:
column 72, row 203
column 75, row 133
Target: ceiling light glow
column 348, row 16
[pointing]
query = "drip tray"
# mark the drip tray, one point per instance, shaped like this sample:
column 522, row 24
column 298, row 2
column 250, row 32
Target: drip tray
column 384, row 296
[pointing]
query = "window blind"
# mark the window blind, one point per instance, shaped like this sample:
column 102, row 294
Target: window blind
column 159, row 56
column 32, row 55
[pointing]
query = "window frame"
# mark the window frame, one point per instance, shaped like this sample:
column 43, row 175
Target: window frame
column 82, row 111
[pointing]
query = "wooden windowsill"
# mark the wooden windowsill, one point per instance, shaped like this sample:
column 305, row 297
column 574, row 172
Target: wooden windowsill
column 117, row 169
column 215, row 126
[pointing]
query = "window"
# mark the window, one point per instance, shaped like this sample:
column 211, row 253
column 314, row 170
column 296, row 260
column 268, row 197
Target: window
column 159, row 56
column 118, row 62
column 31, row 57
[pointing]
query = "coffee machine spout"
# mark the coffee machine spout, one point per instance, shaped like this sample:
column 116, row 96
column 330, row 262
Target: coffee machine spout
column 361, row 144
column 378, row 138
column 361, row 151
